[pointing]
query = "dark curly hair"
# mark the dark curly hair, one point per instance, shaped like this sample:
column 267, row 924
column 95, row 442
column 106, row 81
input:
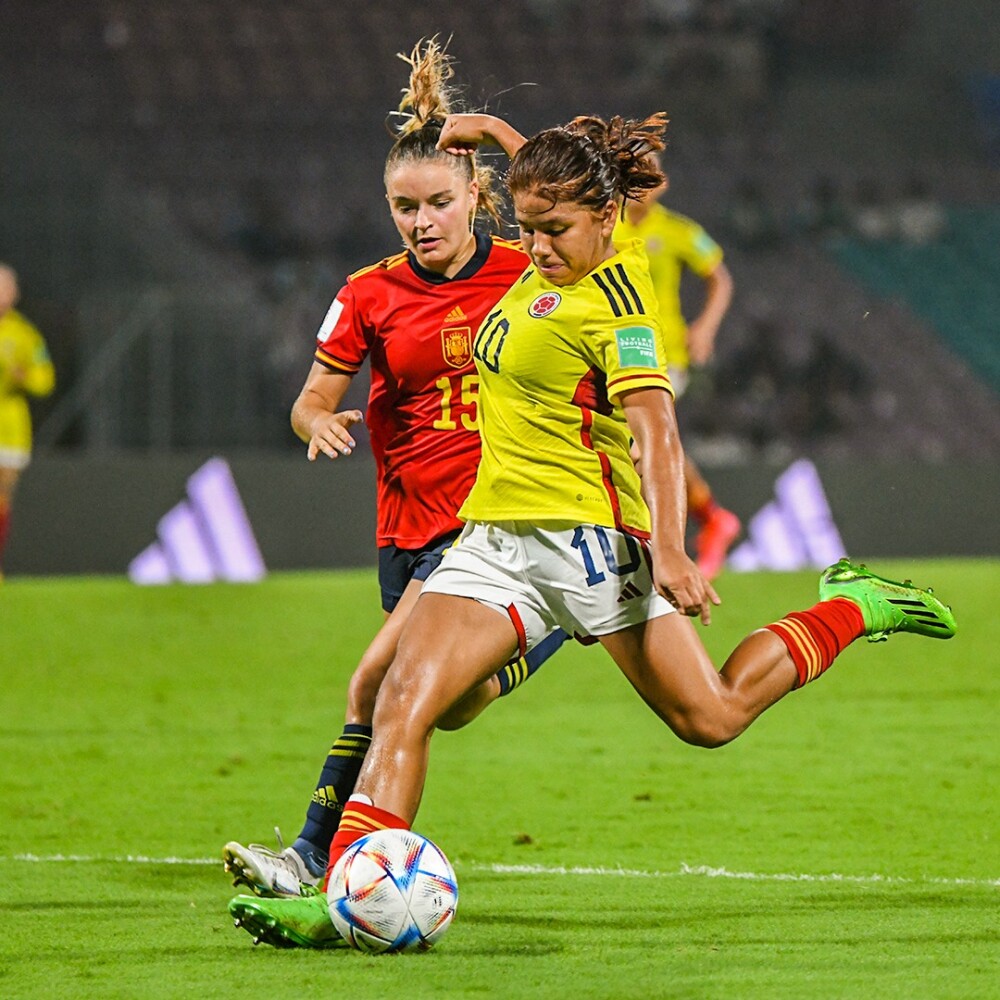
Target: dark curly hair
column 591, row 161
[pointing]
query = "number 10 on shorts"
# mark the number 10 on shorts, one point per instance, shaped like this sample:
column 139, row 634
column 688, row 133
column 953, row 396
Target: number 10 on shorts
column 586, row 548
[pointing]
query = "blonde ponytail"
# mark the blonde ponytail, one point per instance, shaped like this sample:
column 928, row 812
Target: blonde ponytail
column 427, row 97
column 427, row 100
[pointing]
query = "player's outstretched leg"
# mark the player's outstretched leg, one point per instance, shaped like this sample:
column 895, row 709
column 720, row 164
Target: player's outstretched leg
column 887, row 606
column 270, row 874
column 287, row 923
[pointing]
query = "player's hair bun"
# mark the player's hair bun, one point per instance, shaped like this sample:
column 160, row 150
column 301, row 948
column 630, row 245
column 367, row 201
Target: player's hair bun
column 628, row 147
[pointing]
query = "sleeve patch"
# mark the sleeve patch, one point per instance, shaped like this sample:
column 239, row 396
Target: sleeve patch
column 636, row 347
column 330, row 320
column 704, row 244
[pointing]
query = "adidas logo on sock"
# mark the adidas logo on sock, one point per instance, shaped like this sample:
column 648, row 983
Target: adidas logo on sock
column 793, row 531
column 205, row 538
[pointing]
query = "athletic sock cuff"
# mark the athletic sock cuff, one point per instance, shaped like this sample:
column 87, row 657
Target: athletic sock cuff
column 356, row 729
column 816, row 637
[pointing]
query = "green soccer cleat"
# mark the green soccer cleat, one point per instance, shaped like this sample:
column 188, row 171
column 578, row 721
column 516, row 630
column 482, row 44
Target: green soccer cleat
column 287, row 923
column 887, row 606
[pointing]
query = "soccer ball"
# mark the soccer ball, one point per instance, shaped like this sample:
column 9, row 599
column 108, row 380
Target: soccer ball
column 392, row 890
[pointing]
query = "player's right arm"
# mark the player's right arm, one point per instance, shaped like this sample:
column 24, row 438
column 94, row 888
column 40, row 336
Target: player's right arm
column 703, row 329
column 315, row 417
column 341, row 350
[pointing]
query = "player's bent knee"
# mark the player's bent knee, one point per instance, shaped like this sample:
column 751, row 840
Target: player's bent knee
column 706, row 731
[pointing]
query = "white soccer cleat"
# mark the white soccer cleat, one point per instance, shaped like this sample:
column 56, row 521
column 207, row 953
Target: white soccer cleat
column 269, row 874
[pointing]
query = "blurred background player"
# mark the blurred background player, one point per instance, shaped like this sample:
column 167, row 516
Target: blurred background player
column 413, row 315
column 25, row 370
column 675, row 243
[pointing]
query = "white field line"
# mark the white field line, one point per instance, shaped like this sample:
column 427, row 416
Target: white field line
column 107, row 859
column 682, row 871
column 707, row 871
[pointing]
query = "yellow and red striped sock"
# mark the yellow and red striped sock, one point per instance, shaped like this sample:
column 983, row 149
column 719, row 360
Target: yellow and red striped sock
column 358, row 819
column 815, row 638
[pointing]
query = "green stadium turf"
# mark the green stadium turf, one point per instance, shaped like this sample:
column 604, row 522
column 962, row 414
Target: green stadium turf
column 846, row 846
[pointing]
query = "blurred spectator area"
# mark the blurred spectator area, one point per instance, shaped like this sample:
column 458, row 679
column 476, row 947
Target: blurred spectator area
column 186, row 184
column 816, row 362
column 952, row 282
column 984, row 91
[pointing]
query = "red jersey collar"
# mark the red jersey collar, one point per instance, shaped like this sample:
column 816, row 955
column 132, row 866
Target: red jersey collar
column 483, row 246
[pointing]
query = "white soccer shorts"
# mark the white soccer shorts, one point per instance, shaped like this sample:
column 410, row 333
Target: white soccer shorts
column 679, row 378
column 14, row 458
column 587, row 580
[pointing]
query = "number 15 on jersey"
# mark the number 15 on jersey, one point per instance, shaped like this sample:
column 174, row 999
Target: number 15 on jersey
column 458, row 391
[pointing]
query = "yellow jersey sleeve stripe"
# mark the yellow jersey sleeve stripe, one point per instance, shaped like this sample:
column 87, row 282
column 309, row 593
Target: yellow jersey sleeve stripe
column 639, row 381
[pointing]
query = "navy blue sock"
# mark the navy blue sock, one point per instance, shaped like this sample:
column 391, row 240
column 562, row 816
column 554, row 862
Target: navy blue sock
column 516, row 673
column 335, row 785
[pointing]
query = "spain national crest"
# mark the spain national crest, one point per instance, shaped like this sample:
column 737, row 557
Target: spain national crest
column 456, row 344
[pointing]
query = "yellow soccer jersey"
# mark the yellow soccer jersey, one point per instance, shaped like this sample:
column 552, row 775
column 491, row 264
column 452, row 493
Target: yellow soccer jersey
column 552, row 363
column 25, row 368
column 672, row 243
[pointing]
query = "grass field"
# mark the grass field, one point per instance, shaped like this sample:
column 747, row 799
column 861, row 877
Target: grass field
column 848, row 845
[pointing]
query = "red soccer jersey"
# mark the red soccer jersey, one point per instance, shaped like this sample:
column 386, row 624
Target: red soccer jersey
column 417, row 328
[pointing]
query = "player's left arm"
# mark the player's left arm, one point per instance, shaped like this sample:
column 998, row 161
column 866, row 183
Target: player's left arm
column 653, row 424
column 704, row 327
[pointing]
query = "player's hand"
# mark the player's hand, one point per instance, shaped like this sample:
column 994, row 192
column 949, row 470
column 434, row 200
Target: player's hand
column 462, row 135
column 680, row 581
column 700, row 343
column 330, row 434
